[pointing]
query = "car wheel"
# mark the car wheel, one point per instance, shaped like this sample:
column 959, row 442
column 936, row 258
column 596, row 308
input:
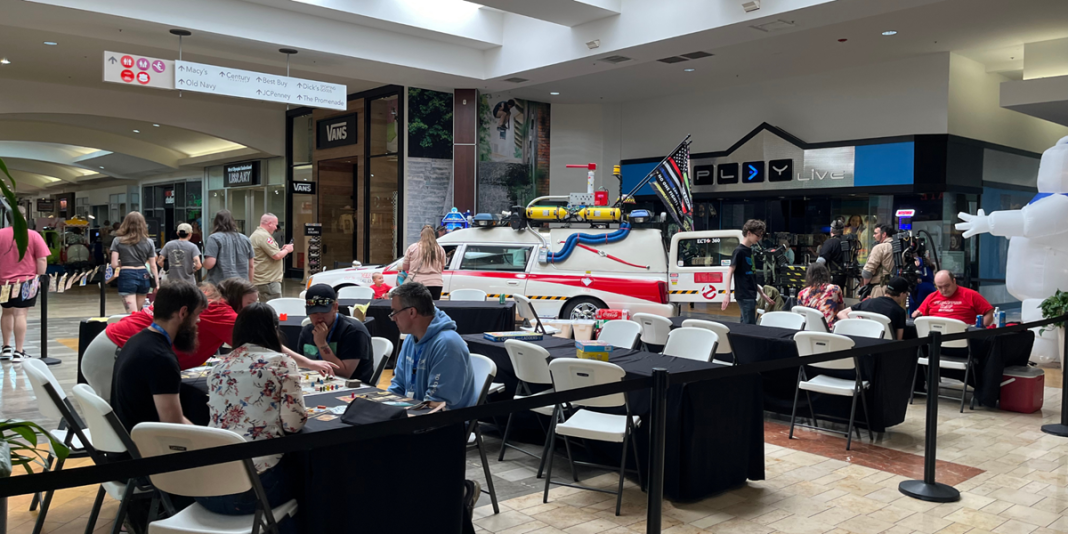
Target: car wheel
column 582, row 308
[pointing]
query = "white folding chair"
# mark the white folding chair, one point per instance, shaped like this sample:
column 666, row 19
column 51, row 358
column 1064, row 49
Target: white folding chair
column 620, row 333
column 356, row 292
column 945, row 325
column 484, row 371
column 468, row 294
column 655, row 328
column 691, row 343
column 810, row 343
column 157, row 439
column 531, row 366
column 860, row 328
column 781, row 319
column 107, row 435
column 877, row 317
column 383, row 349
column 305, row 322
column 289, row 306
column 526, row 310
column 54, row 405
column 814, row 319
column 573, row 373
column 724, row 344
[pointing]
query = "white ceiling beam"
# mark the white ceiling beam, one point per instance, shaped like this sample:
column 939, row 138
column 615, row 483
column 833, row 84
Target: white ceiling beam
column 50, row 132
column 568, row 13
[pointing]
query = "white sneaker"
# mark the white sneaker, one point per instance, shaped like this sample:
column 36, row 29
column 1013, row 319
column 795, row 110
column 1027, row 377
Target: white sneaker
column 6, row 353
column 17, row 356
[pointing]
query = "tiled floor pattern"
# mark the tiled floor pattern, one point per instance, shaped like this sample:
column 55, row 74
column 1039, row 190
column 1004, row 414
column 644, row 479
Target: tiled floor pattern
column 1022, row 489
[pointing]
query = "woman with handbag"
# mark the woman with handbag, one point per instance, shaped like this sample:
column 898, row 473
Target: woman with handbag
column 424, row 261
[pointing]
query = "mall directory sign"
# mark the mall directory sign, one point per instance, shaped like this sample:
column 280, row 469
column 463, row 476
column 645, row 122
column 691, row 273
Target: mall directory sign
column 142, row 71
column 211, row 79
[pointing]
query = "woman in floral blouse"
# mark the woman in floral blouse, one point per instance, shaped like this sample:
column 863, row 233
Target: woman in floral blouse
column 255, row 391
column 819, row 293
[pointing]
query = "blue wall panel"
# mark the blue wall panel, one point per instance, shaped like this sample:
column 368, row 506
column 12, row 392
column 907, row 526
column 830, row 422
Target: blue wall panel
column 887, row 164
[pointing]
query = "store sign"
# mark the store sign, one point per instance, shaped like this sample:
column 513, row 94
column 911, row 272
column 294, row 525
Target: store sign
column 242, row 174
column 313, row 229
column 46, row 204
column 302, row 188
column 215, row 80
column 336, row 131
column 141, row 71
column 905, row 213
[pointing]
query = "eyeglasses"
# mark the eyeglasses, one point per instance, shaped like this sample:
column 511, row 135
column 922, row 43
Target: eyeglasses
column 394, row 313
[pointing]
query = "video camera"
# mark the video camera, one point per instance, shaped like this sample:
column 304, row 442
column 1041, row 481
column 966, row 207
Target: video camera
column 907, row 248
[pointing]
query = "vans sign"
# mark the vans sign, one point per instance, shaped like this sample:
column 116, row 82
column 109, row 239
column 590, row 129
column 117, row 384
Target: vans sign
column 302, row 188
column 336, row 131
column 242, row 174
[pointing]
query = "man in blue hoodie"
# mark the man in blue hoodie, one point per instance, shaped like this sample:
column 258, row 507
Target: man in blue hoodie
column 434, row 364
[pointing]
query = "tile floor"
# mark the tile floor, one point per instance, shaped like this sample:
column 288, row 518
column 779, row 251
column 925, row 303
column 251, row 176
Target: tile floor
column 1013, row 478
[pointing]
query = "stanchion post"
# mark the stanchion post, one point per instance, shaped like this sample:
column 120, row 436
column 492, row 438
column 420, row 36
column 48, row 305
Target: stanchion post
column 1061, row 429
column 928, row 489
column 43, row 291
column 658, row 438
column 103, row 296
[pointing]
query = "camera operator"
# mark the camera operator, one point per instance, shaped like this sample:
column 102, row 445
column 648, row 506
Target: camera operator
column 831, row 253
column 880, row 262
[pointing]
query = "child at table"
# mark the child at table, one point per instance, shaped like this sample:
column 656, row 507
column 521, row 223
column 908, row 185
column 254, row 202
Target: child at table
column 378, row 283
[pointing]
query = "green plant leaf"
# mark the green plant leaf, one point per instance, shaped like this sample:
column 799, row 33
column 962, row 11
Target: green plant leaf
column 26, row 433
column 18, row 222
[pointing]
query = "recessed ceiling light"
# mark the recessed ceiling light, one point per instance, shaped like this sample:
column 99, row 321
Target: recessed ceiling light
column 137, row 131
column 50, row 43
column 554, row 93
column 5, row 61
column 156, row 125
column 688, row 70
column 889, row 33
column 101, row 167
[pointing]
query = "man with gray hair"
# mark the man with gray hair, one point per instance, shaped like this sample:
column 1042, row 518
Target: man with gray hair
column 267, row 275
column 434, row 365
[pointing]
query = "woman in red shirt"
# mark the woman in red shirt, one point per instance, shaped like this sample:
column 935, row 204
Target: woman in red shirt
column 214, row 329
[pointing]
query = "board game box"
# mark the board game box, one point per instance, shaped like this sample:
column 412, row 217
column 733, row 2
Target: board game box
column 519, row 335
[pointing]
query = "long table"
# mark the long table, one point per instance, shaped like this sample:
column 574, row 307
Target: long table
column 715, row 429
column 366, row 486
column 890, row 375
column 471, row 317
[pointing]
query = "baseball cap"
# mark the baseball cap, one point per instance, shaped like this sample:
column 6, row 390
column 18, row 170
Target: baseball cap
column 898, row 285
column 185, row 227
column 319, row 298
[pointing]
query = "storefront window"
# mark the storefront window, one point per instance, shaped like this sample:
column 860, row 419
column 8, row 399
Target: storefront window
column 383, row 210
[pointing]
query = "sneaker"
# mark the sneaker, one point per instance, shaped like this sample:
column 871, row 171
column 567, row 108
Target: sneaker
column 471, row 495
column 18, row 356
column 6, row 353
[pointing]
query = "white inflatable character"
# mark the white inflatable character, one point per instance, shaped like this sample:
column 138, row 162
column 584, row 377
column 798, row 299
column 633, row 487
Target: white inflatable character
column 1038, row 243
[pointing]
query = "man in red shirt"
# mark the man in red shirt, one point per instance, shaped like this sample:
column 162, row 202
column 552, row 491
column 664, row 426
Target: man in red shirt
column 955, row 302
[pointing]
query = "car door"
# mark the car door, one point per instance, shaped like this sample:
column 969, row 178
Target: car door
column 698, row 263
column 493, row 268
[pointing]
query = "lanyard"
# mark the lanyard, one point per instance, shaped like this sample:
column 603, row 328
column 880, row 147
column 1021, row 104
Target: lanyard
column 160, row 329
column 330, row 335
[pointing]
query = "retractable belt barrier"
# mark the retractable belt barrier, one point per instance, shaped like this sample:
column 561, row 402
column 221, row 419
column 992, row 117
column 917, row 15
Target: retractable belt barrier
column 81, row 476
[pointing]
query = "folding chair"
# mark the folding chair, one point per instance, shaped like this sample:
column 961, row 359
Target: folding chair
column 809, row 343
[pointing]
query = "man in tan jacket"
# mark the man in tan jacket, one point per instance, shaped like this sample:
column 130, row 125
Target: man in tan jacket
column 880, row 264
column 267, row 275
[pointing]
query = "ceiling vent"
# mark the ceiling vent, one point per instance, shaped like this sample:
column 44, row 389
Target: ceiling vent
column 516, row 80
column 673, row 59
column 774, row 26
column 697, row 55
column 615, row 59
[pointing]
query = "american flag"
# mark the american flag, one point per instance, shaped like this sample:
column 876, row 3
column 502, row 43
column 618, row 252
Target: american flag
column 672, row 184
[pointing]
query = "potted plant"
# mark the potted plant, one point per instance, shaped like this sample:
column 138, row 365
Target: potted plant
column 1053, row 307
column 18, row 447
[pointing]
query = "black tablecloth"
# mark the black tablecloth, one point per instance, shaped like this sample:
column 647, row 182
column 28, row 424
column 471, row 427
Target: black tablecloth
column 715, row 429
column 472, row 317
column 291, row 328
column 367, row 486
column 889, row 373
column 991, row 356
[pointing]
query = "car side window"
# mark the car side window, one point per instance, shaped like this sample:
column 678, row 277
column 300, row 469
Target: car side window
column 495, row 258
column 450, row 251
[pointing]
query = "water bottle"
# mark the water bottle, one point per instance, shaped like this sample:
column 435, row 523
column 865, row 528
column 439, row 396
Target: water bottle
column 500, row 298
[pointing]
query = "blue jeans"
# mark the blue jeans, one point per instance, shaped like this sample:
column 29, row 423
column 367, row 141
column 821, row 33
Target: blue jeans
column 134, row 282
column 748, row 307
column 277, row 484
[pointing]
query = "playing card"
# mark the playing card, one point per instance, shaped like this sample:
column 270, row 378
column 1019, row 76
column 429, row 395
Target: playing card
column 4, row 292
column 16, row 290
column 52, row 283
column 62, row 284
column 337, row 410
column 327, row 417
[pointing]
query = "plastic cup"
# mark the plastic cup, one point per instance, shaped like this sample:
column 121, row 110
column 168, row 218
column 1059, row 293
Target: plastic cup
column 283, row 316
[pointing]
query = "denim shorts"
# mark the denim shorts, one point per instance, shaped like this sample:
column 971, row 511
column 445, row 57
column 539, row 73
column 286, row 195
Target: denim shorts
column 134, row 282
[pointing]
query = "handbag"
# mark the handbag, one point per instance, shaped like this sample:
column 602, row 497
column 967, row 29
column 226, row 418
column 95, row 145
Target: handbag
column 365, row 412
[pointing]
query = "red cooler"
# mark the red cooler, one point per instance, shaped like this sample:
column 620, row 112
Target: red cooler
column 1024, row 393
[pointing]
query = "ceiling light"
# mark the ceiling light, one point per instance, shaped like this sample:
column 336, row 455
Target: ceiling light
column 50, row 43
column 101, row 167
column 137, row 131
column 596, row 43
column 156, row 125
column 889, row 33
column 5, row 61
column 554, row 93
column 688, row 70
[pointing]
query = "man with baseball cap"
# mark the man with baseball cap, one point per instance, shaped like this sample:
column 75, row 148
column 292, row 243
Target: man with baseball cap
column 332, row 337
column 891, row 304
column 183, row 257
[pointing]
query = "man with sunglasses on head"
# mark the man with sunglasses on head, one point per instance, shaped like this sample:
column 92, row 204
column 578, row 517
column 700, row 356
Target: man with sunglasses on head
column 434, row 365
column 332, row 337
